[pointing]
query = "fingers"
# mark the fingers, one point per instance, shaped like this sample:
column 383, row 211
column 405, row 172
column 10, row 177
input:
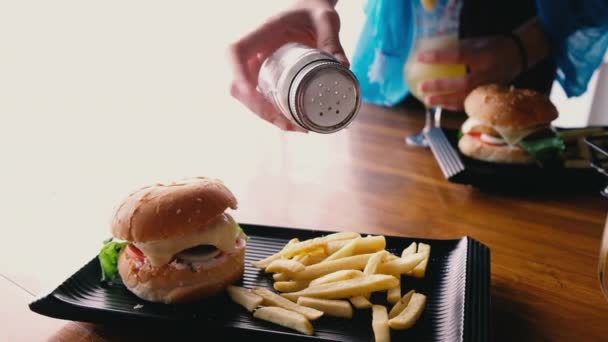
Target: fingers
column 256, row 46
column 253, row 100
column 450, row 93
column 274, row 33
column 445, row 85
column 466, row 52
column 486, row 59
column 451, row 56
column 327, row 25
column 319, row 27
column 246, row 57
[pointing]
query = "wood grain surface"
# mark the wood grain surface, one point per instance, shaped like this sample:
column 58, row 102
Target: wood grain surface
column 544, row 247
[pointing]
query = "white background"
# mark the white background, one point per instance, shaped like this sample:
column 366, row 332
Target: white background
column 98, row 98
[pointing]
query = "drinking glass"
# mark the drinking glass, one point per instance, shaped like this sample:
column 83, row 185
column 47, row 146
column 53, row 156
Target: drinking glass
column 435, row 27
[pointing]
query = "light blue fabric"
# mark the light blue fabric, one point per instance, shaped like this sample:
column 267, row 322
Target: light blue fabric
column 382, row 50
column 579, row 34
column 578, row 31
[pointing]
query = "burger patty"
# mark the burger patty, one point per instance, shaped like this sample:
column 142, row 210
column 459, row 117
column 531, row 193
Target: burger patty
column 201, row 253
column 201, row 249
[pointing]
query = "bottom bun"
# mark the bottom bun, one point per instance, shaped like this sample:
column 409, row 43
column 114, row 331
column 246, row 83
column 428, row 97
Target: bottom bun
column 472, row 147
column 173, row 283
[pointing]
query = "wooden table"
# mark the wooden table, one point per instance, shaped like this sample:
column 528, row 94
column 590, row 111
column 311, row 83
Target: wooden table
column 544, row 248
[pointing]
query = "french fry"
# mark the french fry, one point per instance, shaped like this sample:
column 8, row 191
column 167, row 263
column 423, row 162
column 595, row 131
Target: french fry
column 361, row 302
column 393, row 294
column 371, row 268
column 347, row 288
column 420, row 270
column 285, row 318
column 355, row 262
column 382, row 332
column 401, row 304
column 273, row 299
column 265, row 262
column 290, row 285
column 280, row 277
column 330, row 275
column 408, row 317
column 292, row 241
column 347, row 250
column 314, row 256
column 333, row 246
column 244, row 297
column 299, row 256
column 337, row 276
column 411, row 249
column 374, row 262
column 284, row 265
column 341, row 236
column 331, row 307
column 390, row 256
column 299, row 247
column 368, row 244
column 401, row 265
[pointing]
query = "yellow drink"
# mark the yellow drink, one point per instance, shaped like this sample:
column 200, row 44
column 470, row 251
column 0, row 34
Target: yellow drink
column 416, row 72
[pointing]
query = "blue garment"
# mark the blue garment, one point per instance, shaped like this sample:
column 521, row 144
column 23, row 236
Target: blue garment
column 579, row 35
column 578, row 30
column 382, row 50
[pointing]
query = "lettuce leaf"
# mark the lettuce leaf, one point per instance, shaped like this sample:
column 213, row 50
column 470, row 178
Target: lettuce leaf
column 108, row 258
column 544, row 149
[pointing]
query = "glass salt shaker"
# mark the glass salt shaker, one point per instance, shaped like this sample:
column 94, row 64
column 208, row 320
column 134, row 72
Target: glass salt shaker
column 310, row 87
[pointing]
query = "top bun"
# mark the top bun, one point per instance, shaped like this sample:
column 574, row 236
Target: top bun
column 508, row 107
column 163, row 211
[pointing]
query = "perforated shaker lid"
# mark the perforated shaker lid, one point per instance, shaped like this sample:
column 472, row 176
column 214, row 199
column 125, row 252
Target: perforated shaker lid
column 325, row 97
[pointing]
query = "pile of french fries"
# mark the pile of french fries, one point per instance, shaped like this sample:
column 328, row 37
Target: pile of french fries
column 330, row 275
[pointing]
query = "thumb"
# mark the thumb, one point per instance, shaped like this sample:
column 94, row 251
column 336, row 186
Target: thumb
column 328, row 35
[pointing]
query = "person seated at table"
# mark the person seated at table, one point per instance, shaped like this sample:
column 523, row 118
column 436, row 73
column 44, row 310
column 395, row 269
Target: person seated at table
column 524, row 43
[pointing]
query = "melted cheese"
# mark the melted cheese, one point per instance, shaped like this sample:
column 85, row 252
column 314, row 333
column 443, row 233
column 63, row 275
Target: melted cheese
column 221, row 233
column 511, row 136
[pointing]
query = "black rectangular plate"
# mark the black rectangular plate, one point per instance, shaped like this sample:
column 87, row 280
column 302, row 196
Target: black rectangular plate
column 459, row 168
column 457, row 285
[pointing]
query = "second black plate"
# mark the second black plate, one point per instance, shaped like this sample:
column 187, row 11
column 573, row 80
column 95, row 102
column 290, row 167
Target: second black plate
column 457, row 285
column 459, row 168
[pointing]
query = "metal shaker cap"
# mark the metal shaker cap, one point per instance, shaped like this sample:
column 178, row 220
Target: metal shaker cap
column 324, row 96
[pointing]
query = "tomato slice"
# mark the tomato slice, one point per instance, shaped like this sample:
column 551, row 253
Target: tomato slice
column 134, row 252
column 477, row 135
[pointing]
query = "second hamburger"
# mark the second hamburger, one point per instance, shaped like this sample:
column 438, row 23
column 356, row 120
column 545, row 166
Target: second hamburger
column 508, row 125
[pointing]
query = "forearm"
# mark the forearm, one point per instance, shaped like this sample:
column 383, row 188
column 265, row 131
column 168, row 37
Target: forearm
column 535, row 41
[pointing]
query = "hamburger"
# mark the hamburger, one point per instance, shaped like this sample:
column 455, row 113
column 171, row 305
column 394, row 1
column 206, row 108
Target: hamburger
column 175, row 242
column 509, row 125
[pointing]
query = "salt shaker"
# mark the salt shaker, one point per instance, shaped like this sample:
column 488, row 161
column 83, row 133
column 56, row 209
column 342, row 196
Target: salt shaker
column 310, row 87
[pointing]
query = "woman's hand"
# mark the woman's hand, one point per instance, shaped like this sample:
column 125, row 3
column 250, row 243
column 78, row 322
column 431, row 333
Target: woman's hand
column 314, row 23
column 493, row 59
